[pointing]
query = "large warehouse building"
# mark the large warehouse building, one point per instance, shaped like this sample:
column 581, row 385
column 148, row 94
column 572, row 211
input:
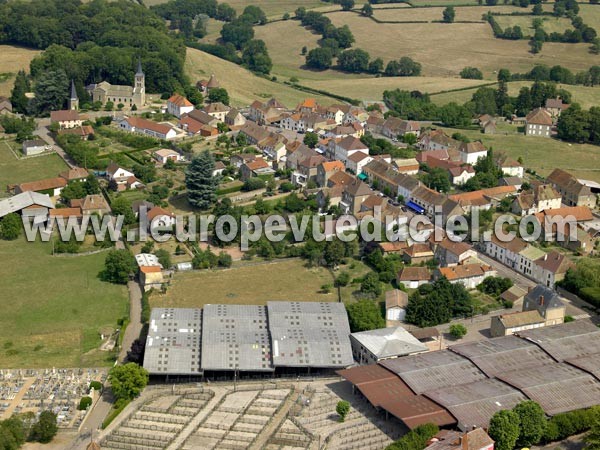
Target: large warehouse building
column 247, row 338
column 557, row 366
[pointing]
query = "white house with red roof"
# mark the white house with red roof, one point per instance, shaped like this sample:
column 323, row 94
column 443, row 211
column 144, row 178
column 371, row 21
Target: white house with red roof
column 178, row 105
column 148, row 127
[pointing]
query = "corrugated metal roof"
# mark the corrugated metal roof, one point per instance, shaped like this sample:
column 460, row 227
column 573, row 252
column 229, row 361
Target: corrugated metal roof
column 389, row 342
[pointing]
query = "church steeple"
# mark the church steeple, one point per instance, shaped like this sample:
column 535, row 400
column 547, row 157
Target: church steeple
column 139, row 88
column 73, row 99
column 139, row 68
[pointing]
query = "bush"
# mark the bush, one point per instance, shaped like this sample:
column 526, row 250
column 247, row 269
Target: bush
column 415, row 439
column 342, row 408
column 458, row 330
column 85, row 403
column 253, row 184
column 97, row 385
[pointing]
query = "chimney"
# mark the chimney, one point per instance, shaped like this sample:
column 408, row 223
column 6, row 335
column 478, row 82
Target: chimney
column 464, row 441
column 529, row 289
column 541, row 300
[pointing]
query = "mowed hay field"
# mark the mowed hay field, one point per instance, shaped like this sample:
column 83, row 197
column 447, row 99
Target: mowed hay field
column 470, row 13
column 542, row 154
column 272, row 8
column 250, row 285
column 54, row 308
column 243, row 86
column 13, row 170
column 13, row 60
column 551, row 24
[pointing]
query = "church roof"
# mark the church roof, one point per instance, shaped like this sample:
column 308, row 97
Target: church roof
column 139, row 68
column 73, row 90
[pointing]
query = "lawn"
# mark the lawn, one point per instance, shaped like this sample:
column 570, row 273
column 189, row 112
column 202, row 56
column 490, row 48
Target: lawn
column 55, row 307
column 13, row 171
column 13, row 60
column 542, row 154
column 254, row 284
column 243, row 86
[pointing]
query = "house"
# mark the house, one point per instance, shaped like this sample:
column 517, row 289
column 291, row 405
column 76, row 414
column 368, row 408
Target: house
column 574, row 193
column 388, row 178
column 540, row 198
column 50, row 186
column 370, row 347
column 413, row 277
column 554, row 107
column 242, row 158
column 66, row 214
column 449, row 253
column 458, row 172
column 117, row 174
column 547, row 303
column 84, row 132
column 219, row 168
column 417, row 253
column 148, row 127
column 164, row 154
column 76, row 174
column 483, row 199
column 561, row 224
column 266, row 113
column 517, row 182
column 28, row 204
column 509, row 166
column 408, row 166
column 470, row 152
column 516, row 254
column 34, row 147
column 301, row 153
column 340, row 179
column 128, row 96
column 134, row 183
column 343, row 148
column 205, row 86
column 538, row 123
column 395, row 305
column 392, row 248
column 151, row 277
column 138, row 205
column 489, row 127
column 513, row 295
column 470, row 275
column 326, row 169
column 217, row 110
column 66, row 119
column 329, row 197
column 91, row 204
column 355, row 193
column 178, row 105
column 550, row 268
column 424, row 156
column 307, row 169
column 356, row 162
column 508, row 324
column 5, row 105
column 394, row 127
column 234, row 119
column 160, row 218
column 256, row 168
column 436, row 140
column 476, row 439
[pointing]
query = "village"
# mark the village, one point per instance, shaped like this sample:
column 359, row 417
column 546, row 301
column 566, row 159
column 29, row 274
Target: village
column 292, row 362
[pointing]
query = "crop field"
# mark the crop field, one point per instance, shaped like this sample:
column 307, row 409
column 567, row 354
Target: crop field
column 243, row 86
column 13, row 170
column 543, row 154
column 13, row 60
column 54, row 307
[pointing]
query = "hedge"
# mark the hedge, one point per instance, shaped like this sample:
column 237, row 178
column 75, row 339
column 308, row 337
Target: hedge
column 145, row 308
column 568, row 424
column 415, row 439
column 230, row 190
column 591, row 295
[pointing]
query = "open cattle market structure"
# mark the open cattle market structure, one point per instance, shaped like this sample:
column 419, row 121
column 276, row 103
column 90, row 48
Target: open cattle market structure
column 464, row 386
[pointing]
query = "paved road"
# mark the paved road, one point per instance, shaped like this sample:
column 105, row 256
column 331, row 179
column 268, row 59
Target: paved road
column 133, row 330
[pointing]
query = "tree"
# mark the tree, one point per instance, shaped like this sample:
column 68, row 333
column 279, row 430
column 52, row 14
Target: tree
column 200, row 183
column 471, row 73
column 371, row 285
column 365, row 315
column 253, row 184
column 495, row 285
column 334, row 253
column 224, row 260
column 504, row 429
column 572, row 124
column 128, row 381
column 342, row 408
column 376, row 66
column 255, row 15
column 532, row 420
column 367, row 10
column 409, row 67
column 145, row 172
column 225, row 12
column 164, row 257
column 458, row 330
column 51, row 92
column 448, row 15
column 311, row 139
column 17, row 97
column 10, row 227
column 342, row 279
column 256, row 56
column 118, row 265
column 319, row 58
column 504, row 75
column 216, row 95
column 347, row 5
column 121, row 206
column 45, row 428
column 392, row 69
column 438, row 179
column 355, row 60
column 454, row 115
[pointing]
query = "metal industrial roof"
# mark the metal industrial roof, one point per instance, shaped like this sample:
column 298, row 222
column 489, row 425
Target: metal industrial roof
column 473, row 404
column 389, row 342
column 434, row 370
column 372, row 373
column 23, row 200
column 556, row 387
column 503, row 354
column 310, row 334
column 173, row 343
column 416, row 410
column 590, row 364
column 566, row 341
column 236, row 337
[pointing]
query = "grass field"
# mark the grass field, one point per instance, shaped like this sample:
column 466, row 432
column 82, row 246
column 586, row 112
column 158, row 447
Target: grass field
column 551, row 24
column 54, row 307
column 14, row 171
column 590, row 15
column 272, row 8
column 584, row 95
column 542, row 154
column 13, row 60
column 243, row 86
column 253, row 285
column 471, row 13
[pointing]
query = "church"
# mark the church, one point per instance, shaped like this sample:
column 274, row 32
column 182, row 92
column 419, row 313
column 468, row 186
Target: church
column 129, row 96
